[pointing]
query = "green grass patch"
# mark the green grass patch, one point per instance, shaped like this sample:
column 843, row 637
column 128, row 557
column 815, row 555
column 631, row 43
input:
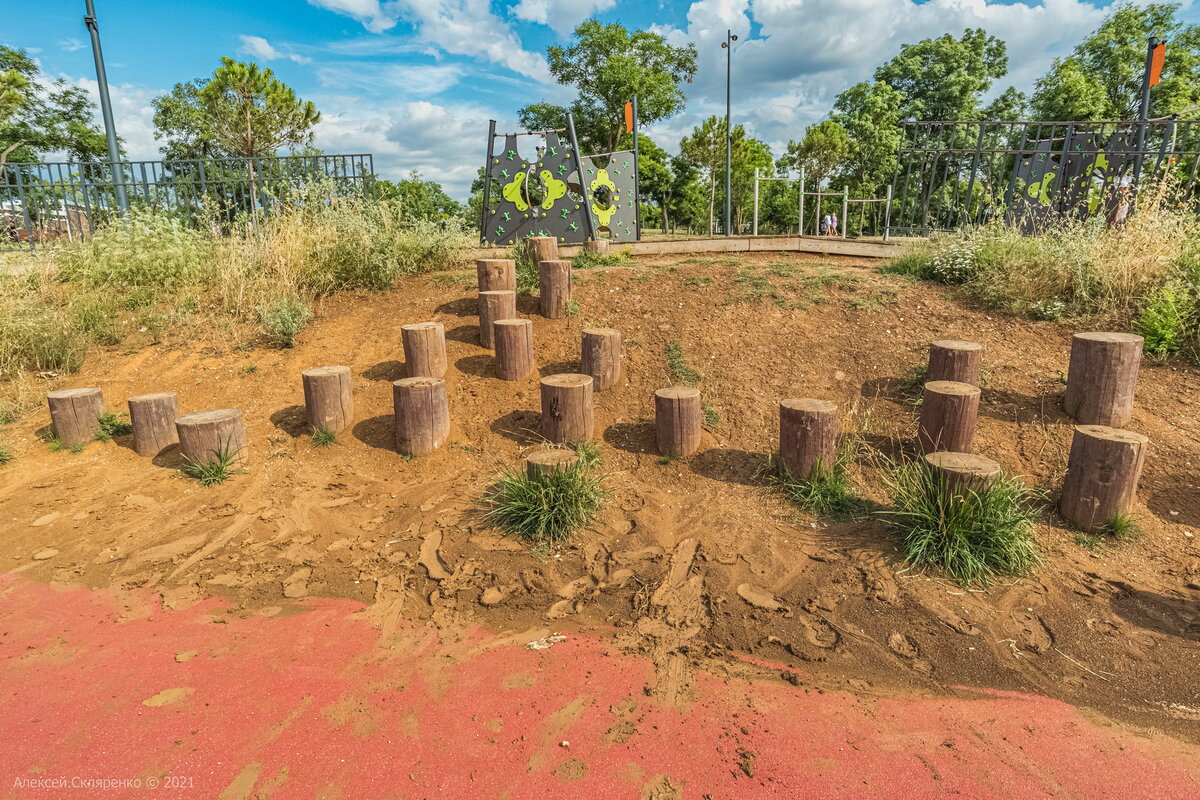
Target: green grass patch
column 216, row 469
column 283, row 318
column 111, row 425
column 322, row 437
column 6, row 454
column 827, row 491
column 549, row 510
column 587, row 260
column 681, row 372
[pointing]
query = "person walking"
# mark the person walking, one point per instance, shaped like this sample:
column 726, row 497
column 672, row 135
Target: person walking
column 834, row 230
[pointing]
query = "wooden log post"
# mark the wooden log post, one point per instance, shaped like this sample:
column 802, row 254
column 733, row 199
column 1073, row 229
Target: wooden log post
column 422, row 413
column 547, row 460
column 952, row 360
column 75, row 414
column 601, row 357
column 962, row 471
column 494, row 306
column 514, row 348
column 208, row 435
column 948, row 413
column 424, row 349
column 598, row 247
column 554, row 288
column 328, row 399
column 677, row 419
column 1102, row 475
column 496, row 274
column 567, row 408
column 541, row 248
column 153, row 419
column 1102, row 377
column 808, row 432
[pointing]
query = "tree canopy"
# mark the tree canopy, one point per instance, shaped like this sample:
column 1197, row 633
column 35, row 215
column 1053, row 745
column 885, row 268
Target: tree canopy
column 944, row 78
column 822, row 151
column 419, row 199
column 251, row 113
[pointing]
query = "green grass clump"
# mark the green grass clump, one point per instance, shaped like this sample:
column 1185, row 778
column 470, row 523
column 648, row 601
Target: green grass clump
column 974, row 536
column 572, row 308
column 588, row 260
column 217, row 469
column 111, row 425
column 283, row 318
column 527, row 271
column 826, row 491
column 1120, row 527
column 322, row 436
column 6, row 454
column 1165, row 318
column 711, row 417
column 681, row 371
column 548, row 510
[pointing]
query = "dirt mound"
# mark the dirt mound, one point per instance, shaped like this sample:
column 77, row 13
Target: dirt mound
column 693, row 562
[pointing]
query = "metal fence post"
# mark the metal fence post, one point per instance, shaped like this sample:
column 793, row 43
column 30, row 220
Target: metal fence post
column 800, row 218
column 887, row 215
column 756, row 201
column 845, row 209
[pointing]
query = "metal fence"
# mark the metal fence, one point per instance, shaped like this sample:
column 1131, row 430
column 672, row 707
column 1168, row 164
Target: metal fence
column 839, row 205
column 47, row 201
column 951, row 174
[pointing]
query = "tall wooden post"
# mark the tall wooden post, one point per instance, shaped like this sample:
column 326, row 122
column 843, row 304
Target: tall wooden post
column 422, row 414
column 1102, row 378
column 514, row 348
column 494, row 306
column 948, row 413
column 328, row 398
column 567, row 408
column 601, row 356
column 808, row 431
column 554, row 287
column 953, row 360
column 153, row 419
column 75, row 414
column 677, row 418
column 496, row 274
column 1102, row 475
column 424, row 349
column 541, row 248
column 207, row 435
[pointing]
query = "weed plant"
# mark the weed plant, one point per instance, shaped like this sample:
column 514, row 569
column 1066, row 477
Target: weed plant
column 547, row 510
column 216, row 469
column 321, row 437
column 111, row 425
column 827, row 491
column 6, row 454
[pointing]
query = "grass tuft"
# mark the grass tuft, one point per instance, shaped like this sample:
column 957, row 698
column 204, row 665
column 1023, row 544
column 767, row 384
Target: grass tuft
column 546, row 511
column 111, row 425
column 283, row 318
column 322, row 436
column 973, row 536
column 588, row 260
column 217, row 469
column 681, row 371
column 827, row 491
column 6, row 454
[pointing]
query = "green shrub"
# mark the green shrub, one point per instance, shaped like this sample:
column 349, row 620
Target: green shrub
column 974, row 536
column 545, row 511
column 1165, row 319
column 527, row 271
column 111, row 425
column 283, row 318
column 149, row 248
column 96, row 316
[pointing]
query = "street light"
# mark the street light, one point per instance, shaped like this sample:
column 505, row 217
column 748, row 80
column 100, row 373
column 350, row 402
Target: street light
column 110, row 129
column 730, row 38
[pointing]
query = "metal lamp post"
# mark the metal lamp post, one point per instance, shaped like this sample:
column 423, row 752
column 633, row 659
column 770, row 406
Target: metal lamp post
column 730, row 38
column 110, row 128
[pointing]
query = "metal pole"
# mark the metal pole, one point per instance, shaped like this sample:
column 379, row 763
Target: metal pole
column 845, row 208
column 487, row 182
column 974, row 169
column 756, row 201
column 887, row 215
column 637, row 178
column 1144, row 111
column 110, row 129
column 800, row 214
column 583, row 184
column 728, row 45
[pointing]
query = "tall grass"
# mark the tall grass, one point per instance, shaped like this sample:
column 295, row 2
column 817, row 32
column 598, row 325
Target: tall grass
column 547, row 510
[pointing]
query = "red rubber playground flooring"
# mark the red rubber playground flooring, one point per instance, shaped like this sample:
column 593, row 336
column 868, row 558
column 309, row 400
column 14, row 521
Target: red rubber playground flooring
column 209, row 703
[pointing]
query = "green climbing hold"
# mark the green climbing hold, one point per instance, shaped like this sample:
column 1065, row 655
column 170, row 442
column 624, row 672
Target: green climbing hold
column 512, row 154
column 573, row 226
column 507, row 216
column 552, row 151
column 499, row 229
column 566, row 212
column 504, row 174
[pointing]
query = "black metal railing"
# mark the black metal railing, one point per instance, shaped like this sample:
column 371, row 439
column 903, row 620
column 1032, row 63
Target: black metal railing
column 47, row 201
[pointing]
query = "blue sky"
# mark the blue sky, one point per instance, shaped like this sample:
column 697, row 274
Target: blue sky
column 415, row 81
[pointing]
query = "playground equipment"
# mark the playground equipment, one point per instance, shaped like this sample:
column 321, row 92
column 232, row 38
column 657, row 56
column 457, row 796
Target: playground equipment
column 559, row 192
column 843, row 220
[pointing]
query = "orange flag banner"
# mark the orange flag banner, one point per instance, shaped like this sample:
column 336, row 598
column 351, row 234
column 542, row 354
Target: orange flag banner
column 1156, row 63
column 629, row 117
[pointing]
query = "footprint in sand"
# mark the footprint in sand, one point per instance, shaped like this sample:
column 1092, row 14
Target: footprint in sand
column 906, row 648
column 1032, row 633
column 759, row 597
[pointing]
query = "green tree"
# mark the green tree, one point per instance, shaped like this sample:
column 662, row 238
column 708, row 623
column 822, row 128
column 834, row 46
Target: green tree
column 870, row 113
column 418, row 198
column 821, row 152
column 180, row 123
column 42, row 115
column 748, row 154
column 944, row 78
column 250, row 113
column 706, row 149
column 1102, row 78
column 607, row 65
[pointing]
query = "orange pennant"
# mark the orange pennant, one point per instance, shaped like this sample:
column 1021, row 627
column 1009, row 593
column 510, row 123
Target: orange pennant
column 629, row 117
column 1156, row 63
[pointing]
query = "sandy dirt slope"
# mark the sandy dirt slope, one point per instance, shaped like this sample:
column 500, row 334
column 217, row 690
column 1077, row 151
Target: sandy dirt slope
column 694, row 564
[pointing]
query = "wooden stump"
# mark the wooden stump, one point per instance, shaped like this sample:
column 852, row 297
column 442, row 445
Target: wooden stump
column 601, row 357
column 598, row 246
column 328, row 399
column 75, row 414
column 541, row 248
column 1102, row 475
column 422, row 413
column 514, row 348
column 206, row 435
column 494, row 306
column 808, row 431
column 952, row 360
column 496, row 274
column 677, row 418
column 962, row 471
column 554, row 287
column 424, row 349
column 153, row 419
column 1102, row 377
column 567, row 408
column 549, row 459
column 948, row 413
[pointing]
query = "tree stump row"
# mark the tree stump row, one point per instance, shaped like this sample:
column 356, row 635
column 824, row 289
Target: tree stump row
column 566, row 408
column 424, row 349
column 328, row 398
column 494, row 306
column 153, row 419
column 208, row 435
column 1102, row 378
column 949, row 410
column 75, row 414
column 1102, row 475
column 514, row 348
column 808, row 433
column 601, row 357
column 677, row 420
column 554, row 288
column 422, row 415
column 953, row 360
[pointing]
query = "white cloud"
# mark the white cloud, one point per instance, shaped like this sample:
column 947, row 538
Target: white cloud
column 415, row 80
column 560, row 15
column 459, row 27
column 71, row 44
column 133, row 114
column 260, row 48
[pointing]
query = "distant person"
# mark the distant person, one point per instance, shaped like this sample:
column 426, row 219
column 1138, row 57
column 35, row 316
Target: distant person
column 834, row 230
